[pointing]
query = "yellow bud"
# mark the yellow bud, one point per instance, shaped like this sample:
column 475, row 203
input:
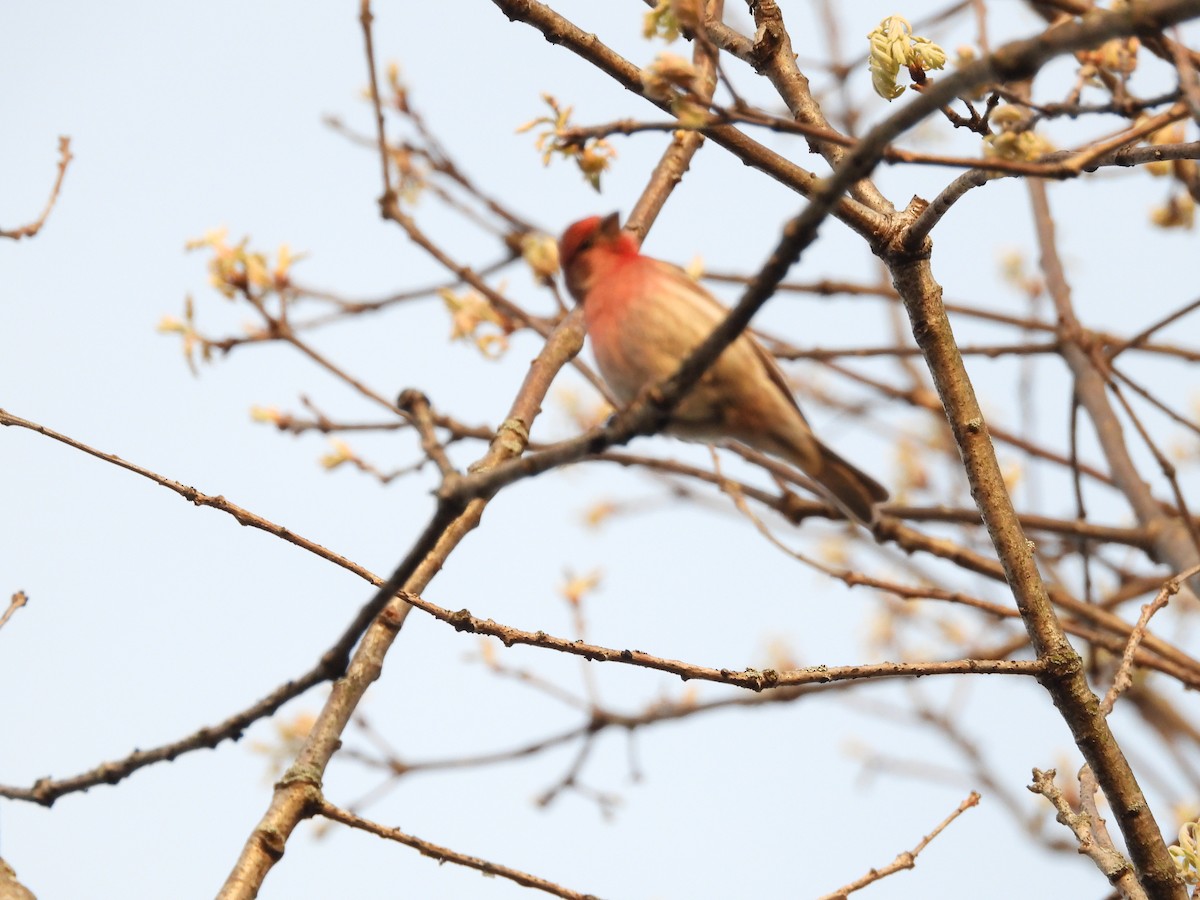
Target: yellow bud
column 216, row 238
column 1168, row 134
column 576, row 587
column 893, row 45
column 1186, row 854
column 267, row 414
column 1118, row 56
column 1013, row 140
column 599, row 513
column 690, row 114
column 594, row 160
column 256, row 270
column 1178, row 212
column 339, row 453
column 540, row 252
column 661, row 22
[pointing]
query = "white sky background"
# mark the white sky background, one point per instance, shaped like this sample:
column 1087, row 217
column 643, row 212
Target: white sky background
column 150, row 618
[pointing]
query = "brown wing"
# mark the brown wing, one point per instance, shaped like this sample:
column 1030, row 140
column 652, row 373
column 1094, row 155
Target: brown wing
column 776, row 374
column 717, row 314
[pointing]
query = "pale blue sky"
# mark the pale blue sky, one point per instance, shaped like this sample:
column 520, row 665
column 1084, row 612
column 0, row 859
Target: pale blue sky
column 150, row 618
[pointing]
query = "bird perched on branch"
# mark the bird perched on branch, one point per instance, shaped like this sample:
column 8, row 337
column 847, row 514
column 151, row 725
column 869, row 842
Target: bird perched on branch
column 645, row 316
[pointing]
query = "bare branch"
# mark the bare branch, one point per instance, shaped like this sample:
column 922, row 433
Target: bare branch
column 64, row 160
column 1115, row 867
column 907, row 859
column 15, row 602
column 446, row 855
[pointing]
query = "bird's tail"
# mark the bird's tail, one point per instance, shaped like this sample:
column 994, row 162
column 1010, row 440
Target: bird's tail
column 853, row 491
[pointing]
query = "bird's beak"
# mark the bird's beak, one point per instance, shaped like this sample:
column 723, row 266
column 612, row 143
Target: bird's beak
column 610, row 225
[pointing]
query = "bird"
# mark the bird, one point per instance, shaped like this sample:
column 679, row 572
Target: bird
column 644, row 316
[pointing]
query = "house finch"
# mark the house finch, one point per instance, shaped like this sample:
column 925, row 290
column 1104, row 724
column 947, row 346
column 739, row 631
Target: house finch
column 644, row 317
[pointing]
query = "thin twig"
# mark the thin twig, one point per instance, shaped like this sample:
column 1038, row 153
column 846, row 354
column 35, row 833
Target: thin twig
column 1116, row 867
column 907, row 859
column 1123, row 680
column 64, row 159
column 445, row 854
column 15, row 602
column 754, row 679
